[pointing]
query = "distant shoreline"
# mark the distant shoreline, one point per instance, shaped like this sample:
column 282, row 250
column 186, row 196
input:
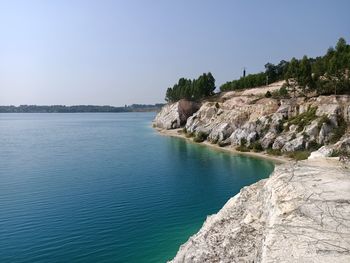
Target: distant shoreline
column 275, row 159
column 80, row 108
column 80, row 112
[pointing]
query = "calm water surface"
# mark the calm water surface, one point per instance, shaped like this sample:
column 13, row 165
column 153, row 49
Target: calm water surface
column 107, row 188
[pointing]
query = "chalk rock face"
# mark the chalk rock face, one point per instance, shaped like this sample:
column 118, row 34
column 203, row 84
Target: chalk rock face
column 220, row 132
column 247, row 116
column 312, row 130
column 325, row 132
column 300, row 214
column 324, row 151
column 268, row 140
column 343, row 145
column 294, row 145
column 233, row 113
column 280, row 141
column 175, row 115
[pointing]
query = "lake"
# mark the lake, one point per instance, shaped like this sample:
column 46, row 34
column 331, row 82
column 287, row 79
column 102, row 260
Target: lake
column 106, row 187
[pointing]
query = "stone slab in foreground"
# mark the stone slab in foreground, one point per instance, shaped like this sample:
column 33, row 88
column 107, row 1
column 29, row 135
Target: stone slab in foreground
column 300, row 214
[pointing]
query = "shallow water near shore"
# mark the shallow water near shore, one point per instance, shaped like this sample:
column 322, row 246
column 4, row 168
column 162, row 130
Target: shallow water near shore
column 106, row 187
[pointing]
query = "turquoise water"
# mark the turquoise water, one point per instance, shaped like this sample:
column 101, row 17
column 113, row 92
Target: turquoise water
column 107, row 188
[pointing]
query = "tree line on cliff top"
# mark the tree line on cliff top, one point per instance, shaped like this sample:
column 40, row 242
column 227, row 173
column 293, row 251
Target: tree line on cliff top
column 196, row 89
column 328, row 74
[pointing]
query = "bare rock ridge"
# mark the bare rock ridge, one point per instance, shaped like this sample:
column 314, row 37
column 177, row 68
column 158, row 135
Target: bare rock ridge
column 300, row 214
column 175, row 115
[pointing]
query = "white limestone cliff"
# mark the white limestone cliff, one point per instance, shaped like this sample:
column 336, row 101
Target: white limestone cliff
column 300, row 214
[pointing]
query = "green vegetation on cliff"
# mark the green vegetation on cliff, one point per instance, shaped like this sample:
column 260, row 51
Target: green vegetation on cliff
column 328, row 74
column 194, row 89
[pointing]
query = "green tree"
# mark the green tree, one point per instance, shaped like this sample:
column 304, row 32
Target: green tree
column 304, row 75
column 292, row 75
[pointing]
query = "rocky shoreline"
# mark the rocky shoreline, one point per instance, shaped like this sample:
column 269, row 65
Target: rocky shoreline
column 301, row 213
column 261, row 155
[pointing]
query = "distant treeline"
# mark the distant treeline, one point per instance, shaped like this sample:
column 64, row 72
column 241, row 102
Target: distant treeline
column 78, row 108
column 272, row 73
column 328, row 74
column 195, row 89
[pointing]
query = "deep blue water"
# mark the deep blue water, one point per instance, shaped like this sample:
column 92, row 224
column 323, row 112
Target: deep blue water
column 107, row 188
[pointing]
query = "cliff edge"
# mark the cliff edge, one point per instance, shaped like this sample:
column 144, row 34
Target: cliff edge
column 300, row 214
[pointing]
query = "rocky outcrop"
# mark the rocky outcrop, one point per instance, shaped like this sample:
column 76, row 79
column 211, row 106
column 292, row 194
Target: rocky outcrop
column 286, row 125
column 300, row 214
column 173, row 116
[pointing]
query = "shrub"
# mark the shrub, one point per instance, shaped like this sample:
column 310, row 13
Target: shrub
column 274, row 152
column 339, row 131
column 268, row 94
column 313, row 146
column 323, row 119
column 306, row 136
column 242, row 148
column 303, row 119
column 243, row 142
column 214, row 141
column 200, row 137
column 256, row 146
column 279, row 127
column 224, row 143
column 283, row 92
column 189, row 134
column 298, row 155
column 275, row 95
column 338, row 153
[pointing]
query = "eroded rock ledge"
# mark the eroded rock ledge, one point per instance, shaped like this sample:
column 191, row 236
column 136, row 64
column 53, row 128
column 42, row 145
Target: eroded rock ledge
column 300, row 214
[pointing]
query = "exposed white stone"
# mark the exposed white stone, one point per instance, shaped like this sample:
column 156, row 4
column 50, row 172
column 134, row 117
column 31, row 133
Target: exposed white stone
column 220, row 132
column 268, row 140
column 168, row 118
column 294, row 145
column 312, row 130
column 175, row 115
column 300, row 214
column 324, row 151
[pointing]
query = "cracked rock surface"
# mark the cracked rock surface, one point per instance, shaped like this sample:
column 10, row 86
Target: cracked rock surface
column 300, row 214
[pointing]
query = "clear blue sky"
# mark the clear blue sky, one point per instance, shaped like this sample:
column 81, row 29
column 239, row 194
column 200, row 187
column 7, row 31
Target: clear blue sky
column 122, row 52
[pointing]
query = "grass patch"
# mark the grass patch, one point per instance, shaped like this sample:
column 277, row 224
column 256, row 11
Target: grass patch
column 338, row 153
column 256, row 147
column 189, row 134
column 339, row 131
column 214, row 141
column 200, row 137
column 323, row 119
column 243, row 148
column 224, row 143
column 275, row 152
column 303, row 119
column 299, row 155
column 313, row 146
